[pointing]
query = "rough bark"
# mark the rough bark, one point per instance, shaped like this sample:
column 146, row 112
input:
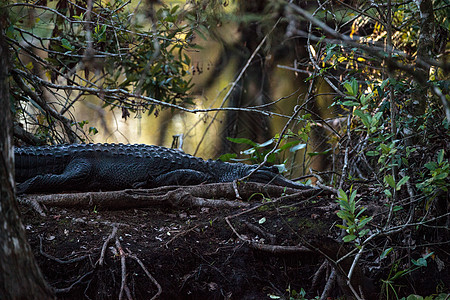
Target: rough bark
column 20, row 277
column 206, row 195
column 424, row 53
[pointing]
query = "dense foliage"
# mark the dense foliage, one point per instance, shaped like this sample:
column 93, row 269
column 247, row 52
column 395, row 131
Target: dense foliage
column 387, row 64
column 130, row 58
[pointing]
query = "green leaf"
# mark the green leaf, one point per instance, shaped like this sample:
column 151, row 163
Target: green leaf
column 351, row 87
column 405, row 162
column 402, row 182
column 355, row 86
column 397, row 208
column 348, row 87
column 386, row 252
column 431, row 165
column 399, row 274
column 428, row 255
column 441, row 176
column 385, row 148
column 267, row 143
column 353, row 196
column 342, row 195
column 440, row 156
column 421, row 262
column 227, row 156
column 372, row 153
column 363, row 232
column 329, row 55
column 344, row 215
column 363, row 222
column 384, row 83
column 66, row 44
column 93, row 130
column 350, row 103
column 365, row 118
column 174, row 9
column 349, row 238
column 289, row 145
column 390, row 181
column 414, row 297
column 10, row 32
column 376, row 119
column 242, row 141
column 297, row 147
column 360, row 212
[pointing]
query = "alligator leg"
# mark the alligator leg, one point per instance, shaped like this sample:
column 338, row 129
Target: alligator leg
column 180, row 177
column 74, row 176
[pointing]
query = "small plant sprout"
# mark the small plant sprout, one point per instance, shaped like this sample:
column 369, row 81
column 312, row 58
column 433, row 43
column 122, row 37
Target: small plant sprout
column 351, row 213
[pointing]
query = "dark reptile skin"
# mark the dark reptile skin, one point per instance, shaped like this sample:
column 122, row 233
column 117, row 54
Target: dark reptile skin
column 93, row 167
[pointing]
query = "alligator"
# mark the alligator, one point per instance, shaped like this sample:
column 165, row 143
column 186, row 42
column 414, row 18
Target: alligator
column 107, row 167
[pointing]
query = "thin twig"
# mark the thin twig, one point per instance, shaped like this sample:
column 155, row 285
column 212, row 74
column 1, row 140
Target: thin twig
column 69, row 288
column 345, row 166
column 105, row 244
column 58, row 260
column 123, row 286
column 297, row 110
column 180, row 234
column 355, row 262
column 257, row 230
column 158, row 286
column 235, row 82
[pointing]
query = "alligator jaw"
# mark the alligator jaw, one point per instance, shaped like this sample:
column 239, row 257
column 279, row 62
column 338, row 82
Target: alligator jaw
column 282, row 181
column 269, row 177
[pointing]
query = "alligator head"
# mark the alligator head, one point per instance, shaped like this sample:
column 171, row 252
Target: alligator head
column 269, row 175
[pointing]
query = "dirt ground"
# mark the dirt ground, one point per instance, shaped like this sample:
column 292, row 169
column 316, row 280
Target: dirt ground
column 184, row 252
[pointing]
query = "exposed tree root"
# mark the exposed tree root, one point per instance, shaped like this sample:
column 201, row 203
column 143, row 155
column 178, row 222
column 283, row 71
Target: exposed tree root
column 117, row 251
column 123, row 287
column 274, row 249
column 277, row 249
column 175, row 196
column 69, row 288
column 343, row 263
column 329, row 285
column 105, row 244
column 58, row 260
column 257, row 230
column 152, row 279
column 31, row 201
column 340, row 268
column 317, row 275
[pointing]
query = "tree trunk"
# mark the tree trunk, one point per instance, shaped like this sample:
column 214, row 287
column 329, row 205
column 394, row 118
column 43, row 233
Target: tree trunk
column 425, row 46
column 253, row 88
column 20, row 277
